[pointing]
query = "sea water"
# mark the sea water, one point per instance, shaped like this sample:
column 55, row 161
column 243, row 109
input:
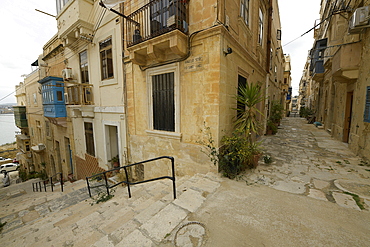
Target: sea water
column 8, row 128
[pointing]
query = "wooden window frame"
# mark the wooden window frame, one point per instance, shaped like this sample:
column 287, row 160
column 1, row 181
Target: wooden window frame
column 84, row 67
column 171, row 68
column 244, row 10
column 106, row 58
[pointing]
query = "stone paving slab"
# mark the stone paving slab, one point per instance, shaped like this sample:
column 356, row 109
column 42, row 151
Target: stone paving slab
column 164, row 222
column 190, row 200
column 345, row 200
column 305, row 156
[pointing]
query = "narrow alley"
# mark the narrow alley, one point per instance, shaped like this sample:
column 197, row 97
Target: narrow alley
column 314, row 193
column 307, row 160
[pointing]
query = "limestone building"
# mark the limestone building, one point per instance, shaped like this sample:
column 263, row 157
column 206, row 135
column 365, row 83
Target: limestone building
column 184, row 61
column 340, row 67
column 144, row 79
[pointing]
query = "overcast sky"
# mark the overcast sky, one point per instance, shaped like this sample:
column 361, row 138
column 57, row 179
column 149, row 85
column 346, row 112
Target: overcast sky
column 297, row 17
column 25, row 31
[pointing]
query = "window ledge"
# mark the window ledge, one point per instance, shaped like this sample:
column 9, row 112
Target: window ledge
column 164, row 134
column 107, row 82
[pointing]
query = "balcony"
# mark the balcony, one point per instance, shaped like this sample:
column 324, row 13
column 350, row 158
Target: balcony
column 52, row 90
column 346, row 62
column 317, row 59
column 20, row 116
column 75, row 22
column 157, row 32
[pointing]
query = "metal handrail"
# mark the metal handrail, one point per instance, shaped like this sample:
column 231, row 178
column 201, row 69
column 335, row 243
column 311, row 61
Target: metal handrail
column 127, row 181
column 38, row 186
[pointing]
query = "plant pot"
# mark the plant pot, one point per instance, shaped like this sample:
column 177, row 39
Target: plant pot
column 255, row 160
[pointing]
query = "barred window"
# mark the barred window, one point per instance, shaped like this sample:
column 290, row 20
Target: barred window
column 367, row 106
column 163, row 102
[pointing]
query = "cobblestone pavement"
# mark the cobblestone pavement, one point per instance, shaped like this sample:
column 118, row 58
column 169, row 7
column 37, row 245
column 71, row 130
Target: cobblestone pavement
column 308, row 161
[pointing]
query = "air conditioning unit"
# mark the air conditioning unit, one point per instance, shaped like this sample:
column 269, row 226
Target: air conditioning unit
column 66, row 98
column 359, row 20
column 67, row 74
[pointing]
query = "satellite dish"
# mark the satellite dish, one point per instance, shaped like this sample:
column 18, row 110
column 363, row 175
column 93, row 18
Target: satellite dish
column 111, row 3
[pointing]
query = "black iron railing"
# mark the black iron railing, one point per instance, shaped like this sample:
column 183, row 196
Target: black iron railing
column 50, row 182
column 156, row 18
column 102, row 179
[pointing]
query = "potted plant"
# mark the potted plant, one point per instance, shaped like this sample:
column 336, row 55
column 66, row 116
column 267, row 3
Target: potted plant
column 276, row 113
column 272, row 127
column 234, row 154
column 114, row 161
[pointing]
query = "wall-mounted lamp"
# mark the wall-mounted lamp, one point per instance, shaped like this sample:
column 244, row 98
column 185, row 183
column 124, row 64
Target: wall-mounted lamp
column 228, row 51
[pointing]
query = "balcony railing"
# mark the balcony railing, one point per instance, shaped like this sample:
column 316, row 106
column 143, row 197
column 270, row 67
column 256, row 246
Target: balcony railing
column 81, row 94
column 156, row 18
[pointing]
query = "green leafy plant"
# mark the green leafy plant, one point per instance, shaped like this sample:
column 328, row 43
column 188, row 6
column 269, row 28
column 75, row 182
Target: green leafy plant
column 115, row 161
column 305, row 112
column 267, row 159
column 237, row 154
column 357, row 199
column 277, row 111
column 272, row 127
column 43, row 175
column 212, row 151
column 102, row 196
column 249, row 96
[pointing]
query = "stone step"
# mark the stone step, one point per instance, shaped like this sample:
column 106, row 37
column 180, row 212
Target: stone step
column 146, row 218
column 40, row 207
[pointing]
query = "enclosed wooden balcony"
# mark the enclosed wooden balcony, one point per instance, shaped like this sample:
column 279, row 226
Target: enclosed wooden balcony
column 346, row 62
column 20, row 116
column 157, row 31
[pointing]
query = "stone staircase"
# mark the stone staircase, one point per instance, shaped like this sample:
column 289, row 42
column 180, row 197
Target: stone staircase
column 150, row 218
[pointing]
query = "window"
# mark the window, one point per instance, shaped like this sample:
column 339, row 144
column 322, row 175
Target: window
column 47, row 128
column 367, row 106
column 59, row 96
column 89, row 138
column 244, row 10
column 260, row 27
column 60, row 4
column 35, row 98
column 163, row 102
column 106, row 59
column 84, row 67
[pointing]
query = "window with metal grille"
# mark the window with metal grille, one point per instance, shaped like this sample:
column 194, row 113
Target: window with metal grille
column 106, row 58
column 89, row 138
column 367, row 106
column 163, row 102
column 242, row 82
column 84, row 67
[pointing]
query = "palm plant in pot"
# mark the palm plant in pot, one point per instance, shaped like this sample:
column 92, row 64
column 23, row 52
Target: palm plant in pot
column 240, row 150
column 247, row 124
